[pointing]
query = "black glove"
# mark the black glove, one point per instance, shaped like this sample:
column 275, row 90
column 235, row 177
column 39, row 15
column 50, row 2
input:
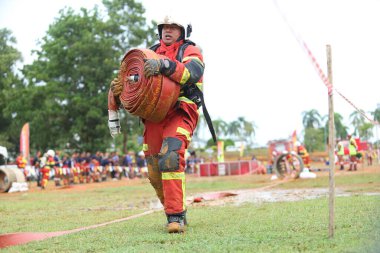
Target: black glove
column 153, row 67
column 116, row 87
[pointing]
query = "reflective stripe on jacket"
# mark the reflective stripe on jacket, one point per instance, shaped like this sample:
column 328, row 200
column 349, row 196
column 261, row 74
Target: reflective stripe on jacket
column 340, row 149
column 352, row 147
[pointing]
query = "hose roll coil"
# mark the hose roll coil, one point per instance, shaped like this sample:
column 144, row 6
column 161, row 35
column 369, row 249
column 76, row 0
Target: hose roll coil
column 149, row 98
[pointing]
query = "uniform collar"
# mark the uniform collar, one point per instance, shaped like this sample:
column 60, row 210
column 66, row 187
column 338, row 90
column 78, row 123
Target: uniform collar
column 173, row 47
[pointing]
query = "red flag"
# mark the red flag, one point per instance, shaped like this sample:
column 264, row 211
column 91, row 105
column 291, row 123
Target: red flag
column 24, row 141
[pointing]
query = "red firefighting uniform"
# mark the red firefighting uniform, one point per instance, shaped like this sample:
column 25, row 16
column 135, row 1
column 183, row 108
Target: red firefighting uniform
column 165, row 142
column 50, row 163
column 21, row 164
column 301, row 150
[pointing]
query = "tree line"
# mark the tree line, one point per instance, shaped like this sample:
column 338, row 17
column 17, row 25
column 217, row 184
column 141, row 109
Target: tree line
column 316, row 127
column 63, row 92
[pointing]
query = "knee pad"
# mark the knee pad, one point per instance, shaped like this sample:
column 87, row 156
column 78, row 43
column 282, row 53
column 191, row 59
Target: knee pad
column 169, row 157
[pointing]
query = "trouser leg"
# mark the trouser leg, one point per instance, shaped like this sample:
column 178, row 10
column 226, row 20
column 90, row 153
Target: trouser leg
column 172, row 166
column 154, row 176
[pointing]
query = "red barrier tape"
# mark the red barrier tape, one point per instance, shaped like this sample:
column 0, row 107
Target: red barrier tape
column 7, row 240
column 320, row 72
column 149, row 98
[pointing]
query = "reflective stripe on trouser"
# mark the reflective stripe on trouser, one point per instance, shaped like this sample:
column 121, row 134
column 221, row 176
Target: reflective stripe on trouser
column 178, row 124
column 174, row 186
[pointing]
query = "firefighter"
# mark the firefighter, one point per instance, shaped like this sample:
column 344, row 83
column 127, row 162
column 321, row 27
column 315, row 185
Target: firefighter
column 165, row 142
column 51, row 163
column 353, row 150
column 47, row 165
column 45, row 172
column 302, row 152
column 340, row 153
column 21, row 164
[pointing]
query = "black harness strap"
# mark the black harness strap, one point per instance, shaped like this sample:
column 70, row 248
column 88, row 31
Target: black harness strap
column 205, row 113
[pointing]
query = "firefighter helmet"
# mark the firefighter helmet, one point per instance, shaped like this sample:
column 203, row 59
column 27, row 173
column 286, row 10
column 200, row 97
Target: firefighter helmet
column 50, row 152
column 186, row 28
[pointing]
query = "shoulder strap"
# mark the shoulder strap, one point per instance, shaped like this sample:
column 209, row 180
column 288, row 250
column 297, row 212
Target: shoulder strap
column 182, row 49
column 154, row 47
column 206, row 114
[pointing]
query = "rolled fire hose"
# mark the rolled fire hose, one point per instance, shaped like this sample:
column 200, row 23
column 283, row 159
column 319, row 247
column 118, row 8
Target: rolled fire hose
column 288, row 164
column 9, row 176
column 149, row 98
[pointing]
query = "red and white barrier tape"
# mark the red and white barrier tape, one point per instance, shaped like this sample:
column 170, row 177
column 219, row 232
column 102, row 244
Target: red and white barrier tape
column 319, row 70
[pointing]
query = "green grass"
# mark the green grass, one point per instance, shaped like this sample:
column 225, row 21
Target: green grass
column 270, row 227
column 349, row 182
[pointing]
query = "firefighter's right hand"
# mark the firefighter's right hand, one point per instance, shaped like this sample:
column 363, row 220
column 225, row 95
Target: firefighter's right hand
column 116, row 87
column 114, row 123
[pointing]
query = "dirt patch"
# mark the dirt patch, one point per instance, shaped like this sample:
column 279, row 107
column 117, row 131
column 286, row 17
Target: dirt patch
column 234, row 197
column 240, row 197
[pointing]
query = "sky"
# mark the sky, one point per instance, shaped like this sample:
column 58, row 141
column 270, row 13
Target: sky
column 255, row 66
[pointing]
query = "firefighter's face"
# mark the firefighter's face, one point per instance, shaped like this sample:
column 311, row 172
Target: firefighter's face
column 170, row 34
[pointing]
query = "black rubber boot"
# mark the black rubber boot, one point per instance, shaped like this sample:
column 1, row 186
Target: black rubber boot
column 176, row 222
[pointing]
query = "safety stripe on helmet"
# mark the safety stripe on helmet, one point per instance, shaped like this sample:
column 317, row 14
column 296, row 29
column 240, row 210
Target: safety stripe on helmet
column 185, row 76
column 145, row 147
column 177, row 176
column 184, row 132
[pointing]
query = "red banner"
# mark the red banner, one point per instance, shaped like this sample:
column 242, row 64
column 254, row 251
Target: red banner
column 24, row 141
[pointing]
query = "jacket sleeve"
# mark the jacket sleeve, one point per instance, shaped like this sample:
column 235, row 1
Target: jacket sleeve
column 191, row 69
column 113, row 102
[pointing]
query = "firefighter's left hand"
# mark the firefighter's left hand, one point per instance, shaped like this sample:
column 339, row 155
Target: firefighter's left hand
column 116, row 87
column 152, row 67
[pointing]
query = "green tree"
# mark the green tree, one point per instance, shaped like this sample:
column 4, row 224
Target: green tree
column 128, row 25
column 220, row 127
column 376, row 115
column 234, row 129
column 248, row 128
column 9, row 81
column 67, row 100
column 340, row 128
column 365, row 131
column 311, row 119
column 313, row 139
column 241, row 130
column 357, row 120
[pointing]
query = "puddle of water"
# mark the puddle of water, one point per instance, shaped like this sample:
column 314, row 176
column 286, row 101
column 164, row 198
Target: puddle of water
column 286, row 195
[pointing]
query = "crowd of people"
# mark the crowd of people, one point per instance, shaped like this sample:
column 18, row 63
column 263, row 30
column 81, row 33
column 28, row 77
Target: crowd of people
column 83, row 167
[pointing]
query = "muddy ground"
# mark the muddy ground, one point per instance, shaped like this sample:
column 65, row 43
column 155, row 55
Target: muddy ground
column 234, row 197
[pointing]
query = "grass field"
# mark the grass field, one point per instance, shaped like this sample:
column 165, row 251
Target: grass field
column 215, row 226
